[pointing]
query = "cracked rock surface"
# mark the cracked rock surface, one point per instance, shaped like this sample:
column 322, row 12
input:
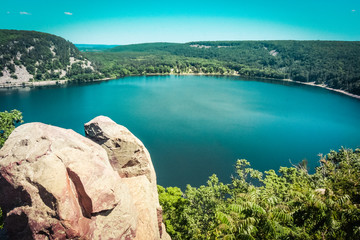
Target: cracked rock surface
column 127, row 154
column 57, row 184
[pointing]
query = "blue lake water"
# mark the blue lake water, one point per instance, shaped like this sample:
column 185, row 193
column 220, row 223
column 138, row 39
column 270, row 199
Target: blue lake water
column 194, row 126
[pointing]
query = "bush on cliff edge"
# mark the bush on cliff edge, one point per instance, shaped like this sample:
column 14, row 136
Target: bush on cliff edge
column 8, row 120
column 290, row 204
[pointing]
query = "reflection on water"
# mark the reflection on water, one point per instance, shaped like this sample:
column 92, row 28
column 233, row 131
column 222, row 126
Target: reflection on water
column 194, row 126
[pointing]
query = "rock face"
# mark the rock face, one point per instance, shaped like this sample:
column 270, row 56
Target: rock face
column 132, row 161
column 127, row 154
column 57, row 184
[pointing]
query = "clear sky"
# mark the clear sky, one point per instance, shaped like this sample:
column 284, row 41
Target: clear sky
column 137, row 21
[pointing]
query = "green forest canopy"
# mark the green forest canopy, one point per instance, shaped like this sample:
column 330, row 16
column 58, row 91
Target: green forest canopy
column 334, row 63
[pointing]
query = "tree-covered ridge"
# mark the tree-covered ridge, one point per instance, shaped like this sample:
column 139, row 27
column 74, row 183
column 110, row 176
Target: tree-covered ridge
column 30, row 55
column 333, row 63
column 145, row 47
column 93, row 47
column 290, row 204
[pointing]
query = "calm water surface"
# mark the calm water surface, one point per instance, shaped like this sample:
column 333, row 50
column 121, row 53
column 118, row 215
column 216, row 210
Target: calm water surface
column 194, row 126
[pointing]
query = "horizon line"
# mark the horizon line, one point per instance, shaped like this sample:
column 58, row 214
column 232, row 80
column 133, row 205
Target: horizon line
column 250, row 40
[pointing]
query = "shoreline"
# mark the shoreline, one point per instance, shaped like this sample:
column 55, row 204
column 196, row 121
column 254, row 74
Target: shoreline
column 325, row 87
column 46, row 83
column 63, row 82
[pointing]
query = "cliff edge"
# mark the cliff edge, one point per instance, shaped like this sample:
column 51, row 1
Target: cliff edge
column 57, row 184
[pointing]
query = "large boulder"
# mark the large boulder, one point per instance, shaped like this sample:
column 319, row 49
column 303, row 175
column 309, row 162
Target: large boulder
column 132, row 161
column 57, row 184
column 127, row 154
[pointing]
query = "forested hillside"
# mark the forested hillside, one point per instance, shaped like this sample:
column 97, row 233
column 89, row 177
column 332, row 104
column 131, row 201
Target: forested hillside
column 333, row 63
column 35, row 56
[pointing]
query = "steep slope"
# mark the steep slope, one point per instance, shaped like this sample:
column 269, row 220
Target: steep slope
column 34, row 56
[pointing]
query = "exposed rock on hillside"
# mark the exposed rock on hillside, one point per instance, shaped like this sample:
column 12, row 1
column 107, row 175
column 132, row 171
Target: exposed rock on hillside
column 57, row 184
column 34, row 56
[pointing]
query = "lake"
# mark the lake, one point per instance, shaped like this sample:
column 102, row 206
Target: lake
column 194, row 126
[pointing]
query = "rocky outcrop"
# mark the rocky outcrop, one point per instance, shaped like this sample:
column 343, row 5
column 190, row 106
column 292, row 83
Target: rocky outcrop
column 57, row 184
column 132, row 161
column 127, row 154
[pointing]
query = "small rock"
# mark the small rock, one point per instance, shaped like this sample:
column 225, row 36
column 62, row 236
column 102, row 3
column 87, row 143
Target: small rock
column 321, row 191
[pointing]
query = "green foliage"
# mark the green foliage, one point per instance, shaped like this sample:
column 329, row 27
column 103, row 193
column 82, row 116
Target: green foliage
column 1, row 219
column 8, row 120
column 144, row 47
column 93, row 47
column 290, row 204
column 333, row 63
column 173, row 203
column 7, row 125
column 44, row 55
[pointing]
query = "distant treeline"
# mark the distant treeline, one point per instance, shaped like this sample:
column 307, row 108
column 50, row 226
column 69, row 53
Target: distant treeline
column 334, row 63
column 48, row 57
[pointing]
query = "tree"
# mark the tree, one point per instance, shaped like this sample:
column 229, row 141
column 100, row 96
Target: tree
column 173, row 204
column 8, row 120
column 288, row 204
column 7, row 125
